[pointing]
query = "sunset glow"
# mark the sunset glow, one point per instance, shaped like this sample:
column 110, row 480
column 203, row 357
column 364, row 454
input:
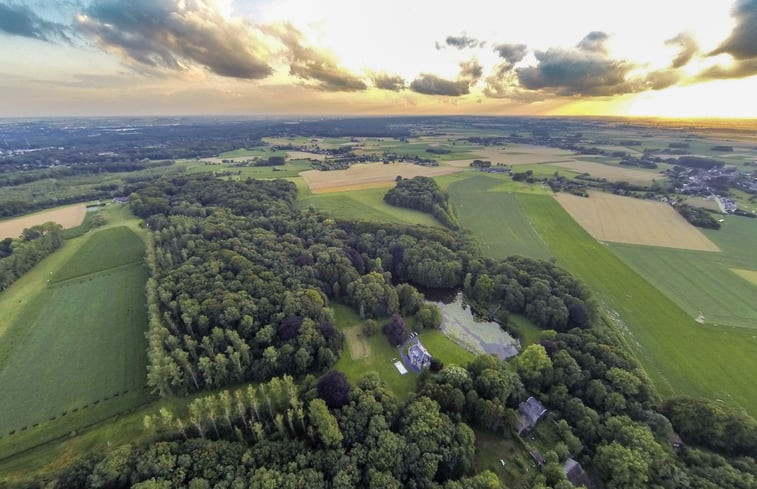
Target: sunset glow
column 588, row 57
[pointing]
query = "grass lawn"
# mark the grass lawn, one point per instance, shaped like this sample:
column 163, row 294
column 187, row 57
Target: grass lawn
column 73, row 353
column 443, row 348
column 519, row 468
column 529, row 332
column 699, row 282
column 681, row 356
column 110, row 248
column 365, row 205
column 495, row 218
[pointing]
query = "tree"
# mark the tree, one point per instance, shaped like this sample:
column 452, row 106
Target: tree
column 622, row 467
column 395, row 330
column 334, row 389
column 324, row 423
column 532, row 365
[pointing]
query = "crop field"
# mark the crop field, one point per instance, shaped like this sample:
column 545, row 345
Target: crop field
column 68, row 217
column 700, row 283
column 523, row 154
column 75, row 350
column 365, row 205
column 496, row 218
column 619, row 219
column 681, row 356
column 368, row 175
column 748, row 275
column 614, row 173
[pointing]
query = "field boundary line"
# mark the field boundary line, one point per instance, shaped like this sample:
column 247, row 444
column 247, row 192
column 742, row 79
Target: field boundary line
column 99, row 272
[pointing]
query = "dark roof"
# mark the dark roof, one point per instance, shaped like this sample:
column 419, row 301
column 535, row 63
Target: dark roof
column 529, row 413
column 575, row 473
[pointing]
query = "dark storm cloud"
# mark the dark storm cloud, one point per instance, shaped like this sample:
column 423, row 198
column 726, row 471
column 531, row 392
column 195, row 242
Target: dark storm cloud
column 385, row 81
column 434, row 85
column 462, row 41
column 741, row 44
column 511, row 53
column 594, row 42
column 573, row 72
column 687, row 49
column 310, row 64
column 19, row 20
column 172, row 34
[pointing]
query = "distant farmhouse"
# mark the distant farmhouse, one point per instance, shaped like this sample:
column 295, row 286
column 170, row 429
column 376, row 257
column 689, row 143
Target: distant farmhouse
column 419, row 356
column 529, row 414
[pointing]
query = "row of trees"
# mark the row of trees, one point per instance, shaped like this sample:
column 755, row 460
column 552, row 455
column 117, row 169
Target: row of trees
column 370, row 441
column 698, row 217
column 18, row 256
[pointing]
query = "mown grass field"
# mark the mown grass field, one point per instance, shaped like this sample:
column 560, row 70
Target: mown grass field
column 73, row 353
column 364, row 205
column 495, row 218
column 700, row 283
column 110, row 248
column 680, row 355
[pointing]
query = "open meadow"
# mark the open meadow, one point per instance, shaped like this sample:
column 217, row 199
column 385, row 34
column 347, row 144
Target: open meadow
column 612, row 173
column 681, row 356
column 72, row 345
column 495, row 218
column 620, row 219
column 68, row 217
column 368, row 175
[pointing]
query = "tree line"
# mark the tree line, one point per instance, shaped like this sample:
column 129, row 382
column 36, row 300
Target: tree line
column 18, row 256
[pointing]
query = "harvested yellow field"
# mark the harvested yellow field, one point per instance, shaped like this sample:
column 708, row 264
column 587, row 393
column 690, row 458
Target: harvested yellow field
column 523, row 154
column 611, row 173
column 68, row 217
column 619, row 219
column 304, row 155
column 368, row 175
column 703, row 203
column 748, row 275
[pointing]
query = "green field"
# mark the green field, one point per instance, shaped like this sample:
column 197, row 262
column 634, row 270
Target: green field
column 681, row 356
column 75, row 346
column 495, row 218
column 699, row 282
column 110, row 248
column 364, row 205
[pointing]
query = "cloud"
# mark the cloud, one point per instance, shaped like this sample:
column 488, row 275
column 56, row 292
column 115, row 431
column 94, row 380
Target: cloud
column 385, row 81
column 175, row 35
column 434, row 85
column 574, row 72
column 741, row 44
column 307, row 63
column 462, row 41
column 511, row 53
column 471, row 70
column 688, row 48
column 19, row 20
column 594, row 42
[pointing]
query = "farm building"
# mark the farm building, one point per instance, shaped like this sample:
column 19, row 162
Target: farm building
column 529, row 413
column 419, row 356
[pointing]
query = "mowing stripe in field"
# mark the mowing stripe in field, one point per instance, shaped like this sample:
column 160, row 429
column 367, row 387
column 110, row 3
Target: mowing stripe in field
column 680, row 355
column 495, row 218
column 77, row 343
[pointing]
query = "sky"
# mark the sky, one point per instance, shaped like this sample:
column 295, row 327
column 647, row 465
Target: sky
column 660, row 58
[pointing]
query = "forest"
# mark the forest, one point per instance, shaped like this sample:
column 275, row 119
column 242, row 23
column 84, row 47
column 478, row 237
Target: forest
column 698, row 217
column 423, row 194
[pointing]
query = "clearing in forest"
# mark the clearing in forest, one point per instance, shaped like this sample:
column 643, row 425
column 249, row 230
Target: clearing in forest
column 620, row 219
column 368, row 175
column 68, row 217
column 359, row 348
